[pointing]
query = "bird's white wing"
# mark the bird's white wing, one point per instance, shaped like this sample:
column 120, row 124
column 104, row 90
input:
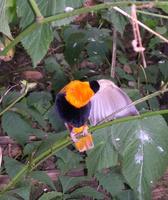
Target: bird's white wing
column 109, row 99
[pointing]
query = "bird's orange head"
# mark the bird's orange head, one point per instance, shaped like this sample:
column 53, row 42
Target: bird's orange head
column 78, row 93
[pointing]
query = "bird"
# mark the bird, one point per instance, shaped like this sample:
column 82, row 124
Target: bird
column 80, row 103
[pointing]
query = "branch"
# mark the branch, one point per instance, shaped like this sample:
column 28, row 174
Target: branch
column 26, row 87
column 95, row 8
column 36, row 10
column 152, row 14
column 141, row 24
column 62, row 143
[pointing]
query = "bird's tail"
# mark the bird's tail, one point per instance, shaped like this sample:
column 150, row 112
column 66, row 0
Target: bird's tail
column 85, row 142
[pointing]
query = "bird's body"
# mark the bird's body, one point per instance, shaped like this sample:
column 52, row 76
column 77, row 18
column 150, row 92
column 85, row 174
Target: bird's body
column 95, row 101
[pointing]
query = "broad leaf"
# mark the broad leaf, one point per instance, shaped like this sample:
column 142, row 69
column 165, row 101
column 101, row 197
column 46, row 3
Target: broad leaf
column 49, row 141
column 68, row 160
column 23, row 191
column 41, row 101
column 16, row 127
column 143, row 145
column 55, row 120
column 86, row 192
column 126, row 195
column 12, row 166
column 103, row 155
column 164, row 70
column 52, row 196
column 74, row 45
column 69, row 182
column 4, row 27
column 8, row 197
column 112, row 182
column 59, row 6
column 56, row 71
column 119, row 22
column 42, row 177
column 37, row 42
column 9, row 98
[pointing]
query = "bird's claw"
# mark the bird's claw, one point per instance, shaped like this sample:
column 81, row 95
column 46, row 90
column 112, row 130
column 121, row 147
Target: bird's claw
column 73, row 137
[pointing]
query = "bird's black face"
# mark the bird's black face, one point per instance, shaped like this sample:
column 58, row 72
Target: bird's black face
column 94, row 85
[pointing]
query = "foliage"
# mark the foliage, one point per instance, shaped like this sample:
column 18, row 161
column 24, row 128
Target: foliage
column 129, row 155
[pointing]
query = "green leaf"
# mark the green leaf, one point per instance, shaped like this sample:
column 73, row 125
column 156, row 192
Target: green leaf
column 126, row 195
column 69, row 182
column 38, row 42
column 8, row 197
column 119, row 22
column 161, row 29
column 67, row 160
column 112, row 182
column 41, row 101
column 151, row 73
column 23, row 191
column 47, row 143
column 4, row 27
column 143, row 145
column 55, row 120
column 86, row 192
column 31, row 112
column 16, row 127
column 163, row 7
column 9, row 98
column 74, row 45
column 12, row 166
column 103, row 155
column 25, row 13
column 122, row 74
column 56, row 72
column 52, row 196
column 30, row 147
column 42, row 177
column 164, row 70
column 58, row 6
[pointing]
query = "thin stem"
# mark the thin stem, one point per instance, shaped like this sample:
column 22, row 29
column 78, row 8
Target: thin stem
column 15, row 101
column 30, row 166
column 36, row 10
column 95, row 8
column 157, row 93
column 113, row 59
column 23, row 34
column 126, row 119
column 152, row 14
column 58, row 145
column 141, row 24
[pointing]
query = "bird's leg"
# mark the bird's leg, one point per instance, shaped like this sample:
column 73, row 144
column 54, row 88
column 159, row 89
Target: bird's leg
column 73, row 136
column 85, row 130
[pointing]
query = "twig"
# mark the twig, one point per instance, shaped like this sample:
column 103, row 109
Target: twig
column 36, row 10
column 135, row 103
column 6, row 92
column 152, row 14
column 113, row 59
column 137, row 42
column 62, row 143
column 26, row 86
column 95, row 8
column 141, row 24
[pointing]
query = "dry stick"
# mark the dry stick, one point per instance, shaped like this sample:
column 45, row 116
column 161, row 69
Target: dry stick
column 113, row 59
column 138, row 47
column 140, row 23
